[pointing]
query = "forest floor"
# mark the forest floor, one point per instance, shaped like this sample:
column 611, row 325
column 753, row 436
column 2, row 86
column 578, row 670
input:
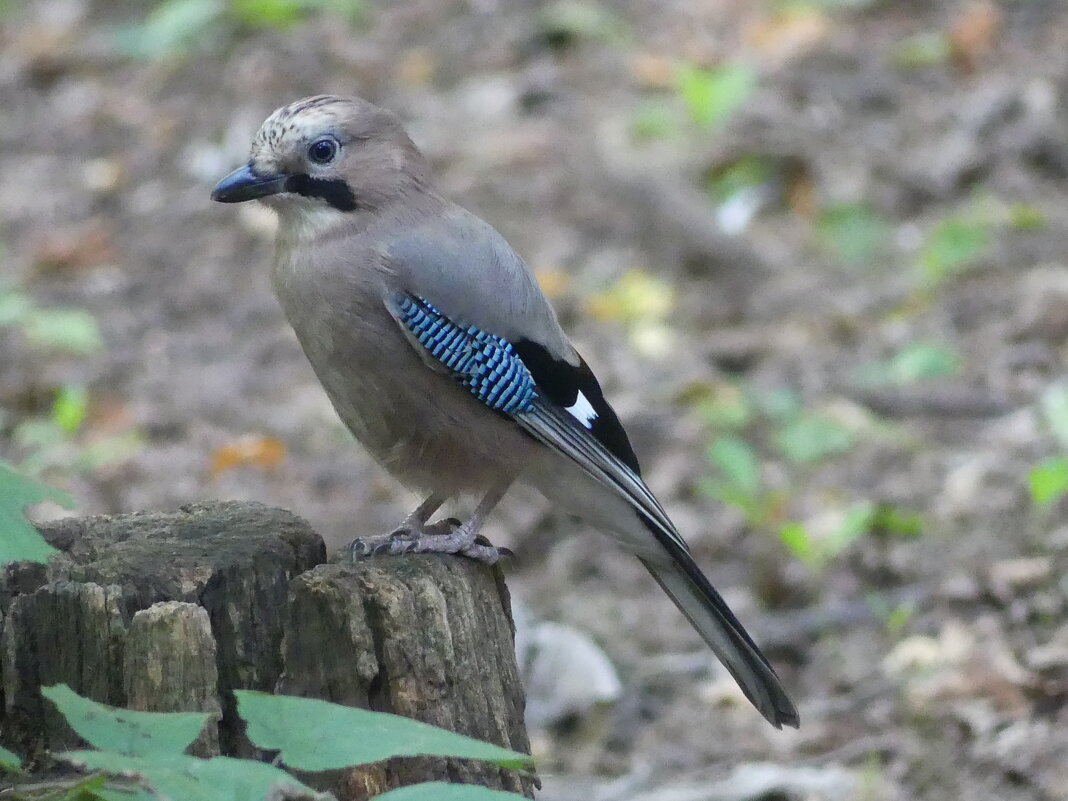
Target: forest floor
column 816, row 253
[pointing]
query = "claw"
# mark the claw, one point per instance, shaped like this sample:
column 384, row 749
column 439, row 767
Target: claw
column 358, row 548
column 486, row 554
column 444, row 536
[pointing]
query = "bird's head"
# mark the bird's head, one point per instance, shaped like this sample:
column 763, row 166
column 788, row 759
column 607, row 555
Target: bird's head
column 324, row 157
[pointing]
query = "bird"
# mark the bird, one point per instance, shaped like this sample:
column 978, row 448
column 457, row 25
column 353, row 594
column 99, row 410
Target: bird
column 441, row 354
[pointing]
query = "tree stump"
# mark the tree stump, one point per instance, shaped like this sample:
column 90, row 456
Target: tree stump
column 174, row 611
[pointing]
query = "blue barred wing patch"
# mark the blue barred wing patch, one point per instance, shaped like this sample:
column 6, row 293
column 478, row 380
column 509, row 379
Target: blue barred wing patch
column 486, row 364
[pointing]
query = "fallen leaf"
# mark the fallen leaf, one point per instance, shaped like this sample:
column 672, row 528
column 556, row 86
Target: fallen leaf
column 83, row 247
column 784, row 36
column 801, row 194
column 554, row 283
column 973, row 33
column 652, row 71
column 265, row 453
column 636, row 296
column 417, row 67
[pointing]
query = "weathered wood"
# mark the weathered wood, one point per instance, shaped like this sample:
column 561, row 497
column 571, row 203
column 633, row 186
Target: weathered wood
column 235, row 560
column 427, row 637
column 62, row 632
column 173, row 611
column 170, row 666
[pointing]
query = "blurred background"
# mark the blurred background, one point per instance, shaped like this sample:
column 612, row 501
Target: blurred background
column 814, row 249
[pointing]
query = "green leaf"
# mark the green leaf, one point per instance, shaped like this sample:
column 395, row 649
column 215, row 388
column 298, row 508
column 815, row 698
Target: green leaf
column 19, row 541
column 270, row 13
column 713, row 95
column 342, row 736
column 653, row 121
column 73, row 330
column 726, row 406
column 120, row 790
column 110, row 450
column 894, row 618
column 738, row 463
column 566, row 21
column 853, row 232
column 896, row 522
column 916, row 362
column 899, row 617
column 744, row 173
column 1054, row 403
column 184, row 778
column 172, row 26
column 440, row 791
column 1026, row 217
column 925, row 49
column 70, row 407
column 126, row 731
column 796, row 538
column 778, row 404
column 856, row 523
column 282, row 14
column 1049, row 481
column 954, row 245
column 9, row 760
column 14, row 308
column 813, row 437
column 923, row 360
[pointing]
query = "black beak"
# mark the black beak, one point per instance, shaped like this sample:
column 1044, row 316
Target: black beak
column 244, row 184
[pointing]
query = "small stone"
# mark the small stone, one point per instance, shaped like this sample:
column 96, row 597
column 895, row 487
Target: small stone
column 1008, row 577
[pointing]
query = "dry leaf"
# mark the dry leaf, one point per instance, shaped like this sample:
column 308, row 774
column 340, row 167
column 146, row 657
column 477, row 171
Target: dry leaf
column 782, row 37
column 972, row 35
column 554, row 283
column 636, row 297
column 652, row 71
column 265, row 453
column 417, row 67
column 78, row 248
column 801, row 194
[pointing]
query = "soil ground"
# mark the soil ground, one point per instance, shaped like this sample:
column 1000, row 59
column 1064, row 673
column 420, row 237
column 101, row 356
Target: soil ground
column 879, row 324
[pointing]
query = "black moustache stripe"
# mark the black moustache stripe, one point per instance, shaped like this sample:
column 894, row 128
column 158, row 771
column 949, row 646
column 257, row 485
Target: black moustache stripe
column 334, row 191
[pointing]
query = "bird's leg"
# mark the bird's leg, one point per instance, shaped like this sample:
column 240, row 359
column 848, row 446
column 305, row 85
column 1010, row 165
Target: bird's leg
column 465, row 539
column 412, row 527
column 442, row 537
column 415, row 522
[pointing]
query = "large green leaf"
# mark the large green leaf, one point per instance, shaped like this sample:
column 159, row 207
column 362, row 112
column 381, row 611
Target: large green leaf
column 184, row 778
column 122, row 790
column 19, row 541
column 126, row 731
column 9, row 760
column 316, row 735
column 440, row 791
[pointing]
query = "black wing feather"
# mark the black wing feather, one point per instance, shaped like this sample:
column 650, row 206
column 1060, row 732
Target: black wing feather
column 562, row 382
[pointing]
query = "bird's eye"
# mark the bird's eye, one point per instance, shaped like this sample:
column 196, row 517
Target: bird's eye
column 323, row 151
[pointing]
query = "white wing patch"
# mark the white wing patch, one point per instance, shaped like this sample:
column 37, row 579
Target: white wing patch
column 582, row 411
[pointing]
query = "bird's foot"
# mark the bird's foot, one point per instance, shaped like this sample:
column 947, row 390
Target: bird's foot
column 445, row 536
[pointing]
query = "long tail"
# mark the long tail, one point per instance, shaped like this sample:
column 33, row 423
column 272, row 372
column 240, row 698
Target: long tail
column 706, row 610
column 674, row 569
